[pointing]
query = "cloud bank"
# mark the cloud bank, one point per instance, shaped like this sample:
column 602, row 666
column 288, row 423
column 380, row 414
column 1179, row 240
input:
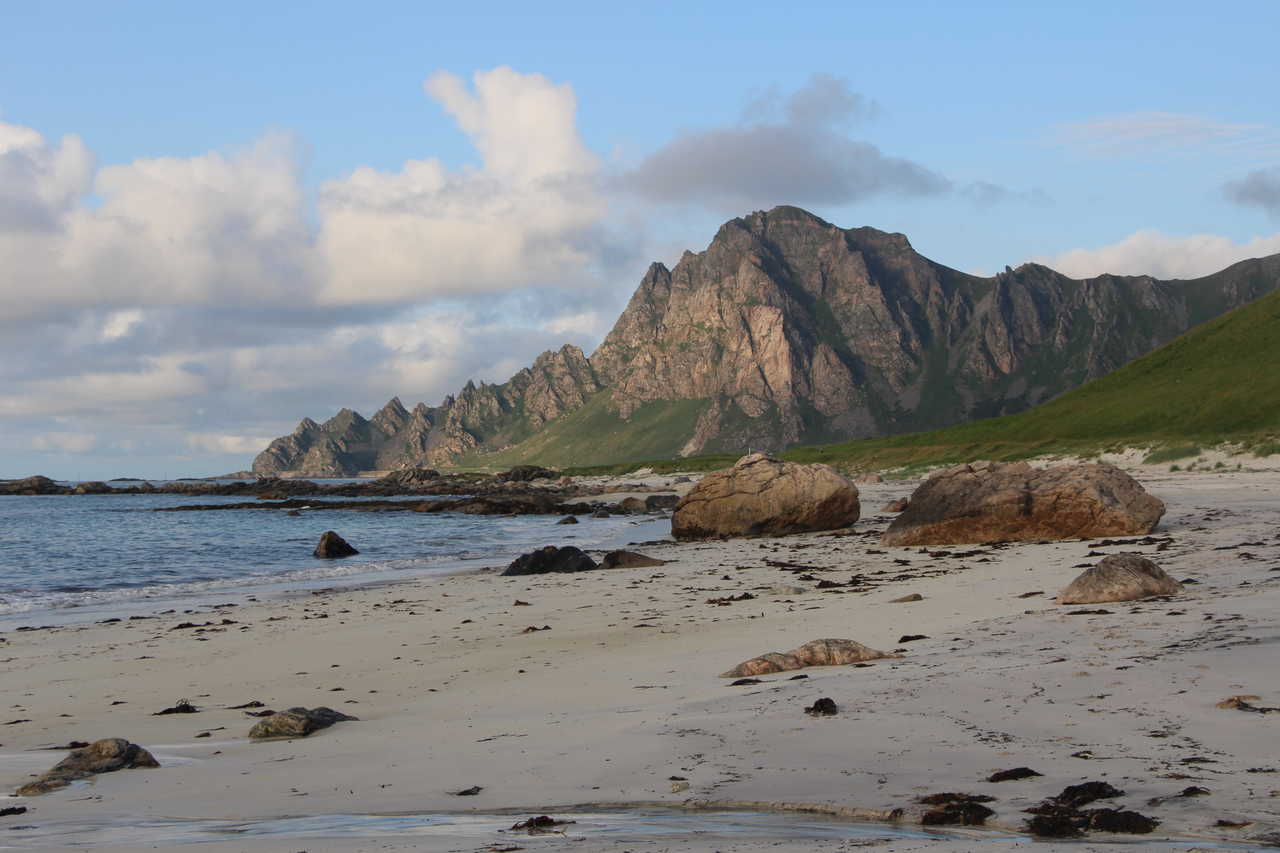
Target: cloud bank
column 1151, row 252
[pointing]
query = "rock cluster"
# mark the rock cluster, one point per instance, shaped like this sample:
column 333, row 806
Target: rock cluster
column 761, row 496
column 999, row 502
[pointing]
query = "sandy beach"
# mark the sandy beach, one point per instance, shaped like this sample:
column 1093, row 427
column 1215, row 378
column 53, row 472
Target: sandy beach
column 622, row 692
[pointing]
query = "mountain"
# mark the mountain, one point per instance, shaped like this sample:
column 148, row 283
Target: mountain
column 1216, row 383
column 789, row 330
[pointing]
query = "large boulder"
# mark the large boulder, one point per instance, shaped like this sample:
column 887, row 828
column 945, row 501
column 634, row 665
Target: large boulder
column 297, row 722
column 999, row 502
column 1119, row 577
column 101, row 756
column 826, row 652
column 332, row 546
column 762, row 496
column 550, row 559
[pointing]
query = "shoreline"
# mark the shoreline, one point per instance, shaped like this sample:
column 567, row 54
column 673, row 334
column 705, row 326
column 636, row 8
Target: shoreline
column 623, row 691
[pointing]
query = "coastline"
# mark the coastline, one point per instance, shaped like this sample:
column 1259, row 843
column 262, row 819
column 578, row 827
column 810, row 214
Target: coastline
column 623, row 691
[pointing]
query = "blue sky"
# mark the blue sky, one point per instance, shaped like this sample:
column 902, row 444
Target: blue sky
column 201, row 202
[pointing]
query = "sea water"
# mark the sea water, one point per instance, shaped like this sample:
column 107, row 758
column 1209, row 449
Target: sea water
column 76, row 558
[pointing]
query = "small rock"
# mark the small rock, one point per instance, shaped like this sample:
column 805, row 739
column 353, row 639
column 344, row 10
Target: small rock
column 101, row 756
column 629, row 560
column 828, row 652
column 467, row 792
column 296, row 722
column 333, row 546
column 823, row 708
column 1013, row 775
column 900, row 505
column 1119, row 577
column 568, row 519
column 182, row 707
column 906, row 599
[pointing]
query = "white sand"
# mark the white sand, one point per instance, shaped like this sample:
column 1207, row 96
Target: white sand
column 623, row 692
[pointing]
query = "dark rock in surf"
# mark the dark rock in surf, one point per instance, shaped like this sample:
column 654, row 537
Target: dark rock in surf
column 333, row 546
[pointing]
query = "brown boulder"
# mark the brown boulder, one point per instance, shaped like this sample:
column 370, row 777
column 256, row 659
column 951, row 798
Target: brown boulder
column 997, row 502
column 812, row 653
column 762, row 496
column 1119, row 577
column 101, row 756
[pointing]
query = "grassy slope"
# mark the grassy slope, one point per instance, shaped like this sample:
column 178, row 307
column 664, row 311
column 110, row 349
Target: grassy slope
column 594, row 435
column 1219, row 382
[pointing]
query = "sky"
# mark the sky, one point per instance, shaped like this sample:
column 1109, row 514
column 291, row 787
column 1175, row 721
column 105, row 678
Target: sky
column 216, row 219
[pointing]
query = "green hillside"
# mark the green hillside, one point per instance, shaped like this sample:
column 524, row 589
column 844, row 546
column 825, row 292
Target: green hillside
column 594, row 435
column 1219, row 382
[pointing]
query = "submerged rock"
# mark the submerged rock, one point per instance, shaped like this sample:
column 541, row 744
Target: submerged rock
column 1119, row 577
column 297, row 722
column 101, row 756
column 1000, row 502
column 550, row 559
column 333, row 546
column 827, row 652
column 762, row 496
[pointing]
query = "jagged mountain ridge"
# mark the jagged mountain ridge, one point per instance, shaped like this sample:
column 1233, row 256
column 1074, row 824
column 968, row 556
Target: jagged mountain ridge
column 788, row 330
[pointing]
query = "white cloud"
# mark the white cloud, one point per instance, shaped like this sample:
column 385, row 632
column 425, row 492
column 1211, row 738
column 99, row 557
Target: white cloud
column 39, row 182
column 528, row 216
column 244, row 445
column 1151, row 252
column 64, row 442
column 1163, row 132
column 233, row 228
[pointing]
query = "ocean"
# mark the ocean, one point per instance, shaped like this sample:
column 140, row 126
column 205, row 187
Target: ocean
column 79, row 558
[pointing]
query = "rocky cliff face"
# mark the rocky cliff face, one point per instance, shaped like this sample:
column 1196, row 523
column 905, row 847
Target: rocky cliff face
column 479, row 417
column 790, row 330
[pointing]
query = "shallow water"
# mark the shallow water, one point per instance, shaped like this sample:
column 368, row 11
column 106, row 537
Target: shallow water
column 438, row 831
column 448, row 828
column 80, row 557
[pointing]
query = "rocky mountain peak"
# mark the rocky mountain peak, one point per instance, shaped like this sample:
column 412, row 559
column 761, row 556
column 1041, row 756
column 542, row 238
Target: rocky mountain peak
column 788, row 329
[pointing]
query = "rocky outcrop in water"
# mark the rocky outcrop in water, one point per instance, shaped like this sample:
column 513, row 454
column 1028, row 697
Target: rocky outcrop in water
column 787, row 330
column 332, row 546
